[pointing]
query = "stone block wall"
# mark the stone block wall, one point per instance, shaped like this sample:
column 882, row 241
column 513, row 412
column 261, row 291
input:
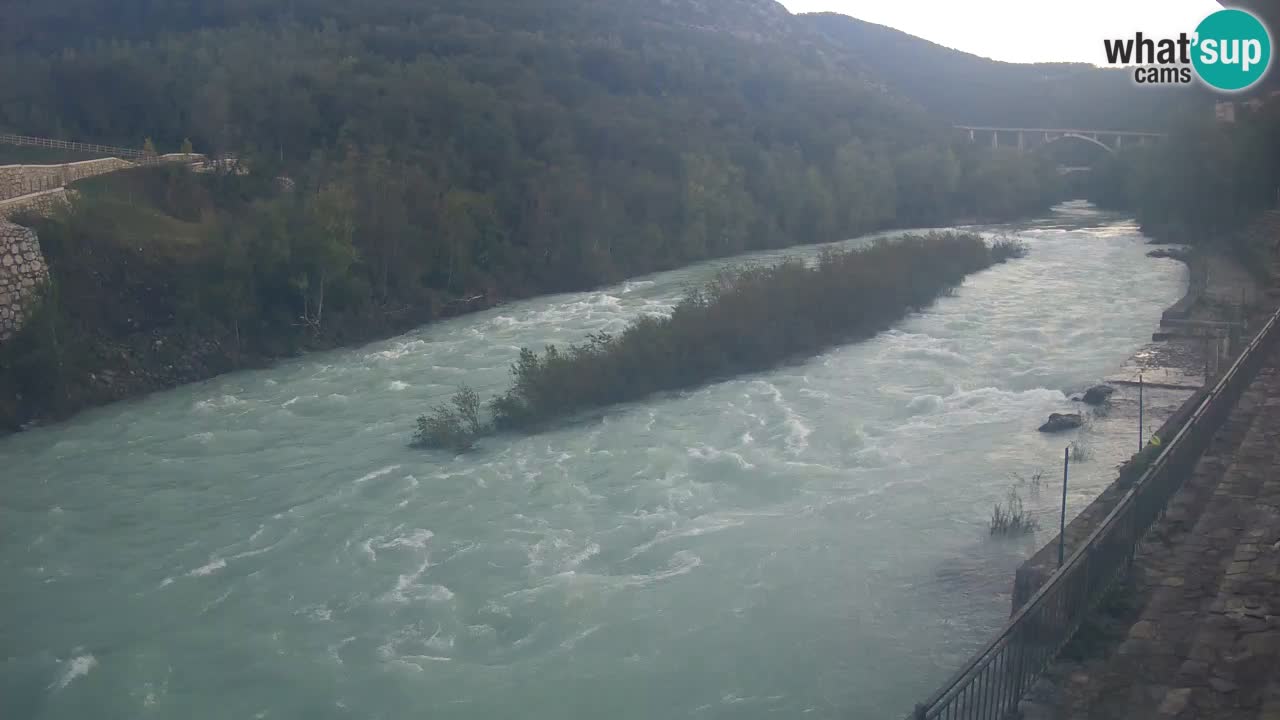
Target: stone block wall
column 18, row 180
column 43, row 203
column 22, row 273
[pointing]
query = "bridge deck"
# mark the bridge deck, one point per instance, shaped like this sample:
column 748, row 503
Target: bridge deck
column 1063, row 131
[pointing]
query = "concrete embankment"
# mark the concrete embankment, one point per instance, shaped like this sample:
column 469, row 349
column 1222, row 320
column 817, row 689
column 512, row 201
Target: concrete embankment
column 1194, row 345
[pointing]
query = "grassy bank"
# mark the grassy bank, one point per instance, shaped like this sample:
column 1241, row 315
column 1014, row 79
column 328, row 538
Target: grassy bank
column 746, row 320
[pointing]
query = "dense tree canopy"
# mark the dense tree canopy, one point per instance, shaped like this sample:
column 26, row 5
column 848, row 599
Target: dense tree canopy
column 511, row 146
column 1203, row 184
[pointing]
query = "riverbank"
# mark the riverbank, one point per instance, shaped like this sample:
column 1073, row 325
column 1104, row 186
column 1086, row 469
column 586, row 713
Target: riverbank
column 148, row 353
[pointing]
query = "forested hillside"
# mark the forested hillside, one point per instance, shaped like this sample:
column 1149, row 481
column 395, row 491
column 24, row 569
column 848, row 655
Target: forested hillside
column 461, row 148
column 570, row 141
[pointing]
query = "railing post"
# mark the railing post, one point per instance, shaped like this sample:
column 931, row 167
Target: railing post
column 1017, row 641
column 1140, row 411
column 1134, row 536
column 1062, row 517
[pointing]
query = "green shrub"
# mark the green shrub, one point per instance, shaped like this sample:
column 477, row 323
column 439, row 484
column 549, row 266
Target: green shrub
column 1007, row 248
column 454, row 426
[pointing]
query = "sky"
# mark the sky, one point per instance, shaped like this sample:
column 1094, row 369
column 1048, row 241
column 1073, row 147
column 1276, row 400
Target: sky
column 1024, row 30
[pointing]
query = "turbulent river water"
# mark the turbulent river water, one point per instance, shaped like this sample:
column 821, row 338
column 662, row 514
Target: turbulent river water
column 808, row 541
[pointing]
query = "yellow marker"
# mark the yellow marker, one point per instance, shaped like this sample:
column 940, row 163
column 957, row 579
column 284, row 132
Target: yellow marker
column 1155, row 440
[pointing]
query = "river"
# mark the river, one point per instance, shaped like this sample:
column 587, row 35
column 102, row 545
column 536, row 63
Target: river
column 809, row 541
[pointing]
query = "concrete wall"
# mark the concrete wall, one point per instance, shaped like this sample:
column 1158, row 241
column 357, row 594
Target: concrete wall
column 19, row 180
column 22, row 273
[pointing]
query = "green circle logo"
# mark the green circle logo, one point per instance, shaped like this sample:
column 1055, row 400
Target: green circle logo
column 1233, row 50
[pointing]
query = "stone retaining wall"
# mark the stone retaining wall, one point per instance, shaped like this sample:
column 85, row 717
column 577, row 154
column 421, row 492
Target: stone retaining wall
column 42, row 203
column 22, row 265
column 19, row 180
column 22, row 273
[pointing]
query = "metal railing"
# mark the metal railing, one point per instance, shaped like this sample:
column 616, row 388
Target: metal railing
column 121, row 152
column 994, row 680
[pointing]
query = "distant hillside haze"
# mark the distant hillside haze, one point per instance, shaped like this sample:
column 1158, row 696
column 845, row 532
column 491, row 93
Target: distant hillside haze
column 954, row 87
column 971, row 90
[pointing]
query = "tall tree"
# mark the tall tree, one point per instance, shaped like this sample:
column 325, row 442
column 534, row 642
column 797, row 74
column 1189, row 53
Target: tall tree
column 326, row 252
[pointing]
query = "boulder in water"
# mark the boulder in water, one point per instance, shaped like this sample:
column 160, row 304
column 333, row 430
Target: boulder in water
column 1062, row 421
column 1098, row 394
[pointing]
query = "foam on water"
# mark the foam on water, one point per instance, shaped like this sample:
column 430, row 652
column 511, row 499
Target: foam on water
column 407, row 588
column 76, row 667
column 209, row 568
column 414, row 539
column 263, row 537
column 377, row 473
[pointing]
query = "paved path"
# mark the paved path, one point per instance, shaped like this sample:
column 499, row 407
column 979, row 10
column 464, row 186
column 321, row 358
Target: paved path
column 1206, row 643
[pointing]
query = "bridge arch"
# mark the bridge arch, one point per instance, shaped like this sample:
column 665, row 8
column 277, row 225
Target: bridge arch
column 1037, row 137
column 1078, row 136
